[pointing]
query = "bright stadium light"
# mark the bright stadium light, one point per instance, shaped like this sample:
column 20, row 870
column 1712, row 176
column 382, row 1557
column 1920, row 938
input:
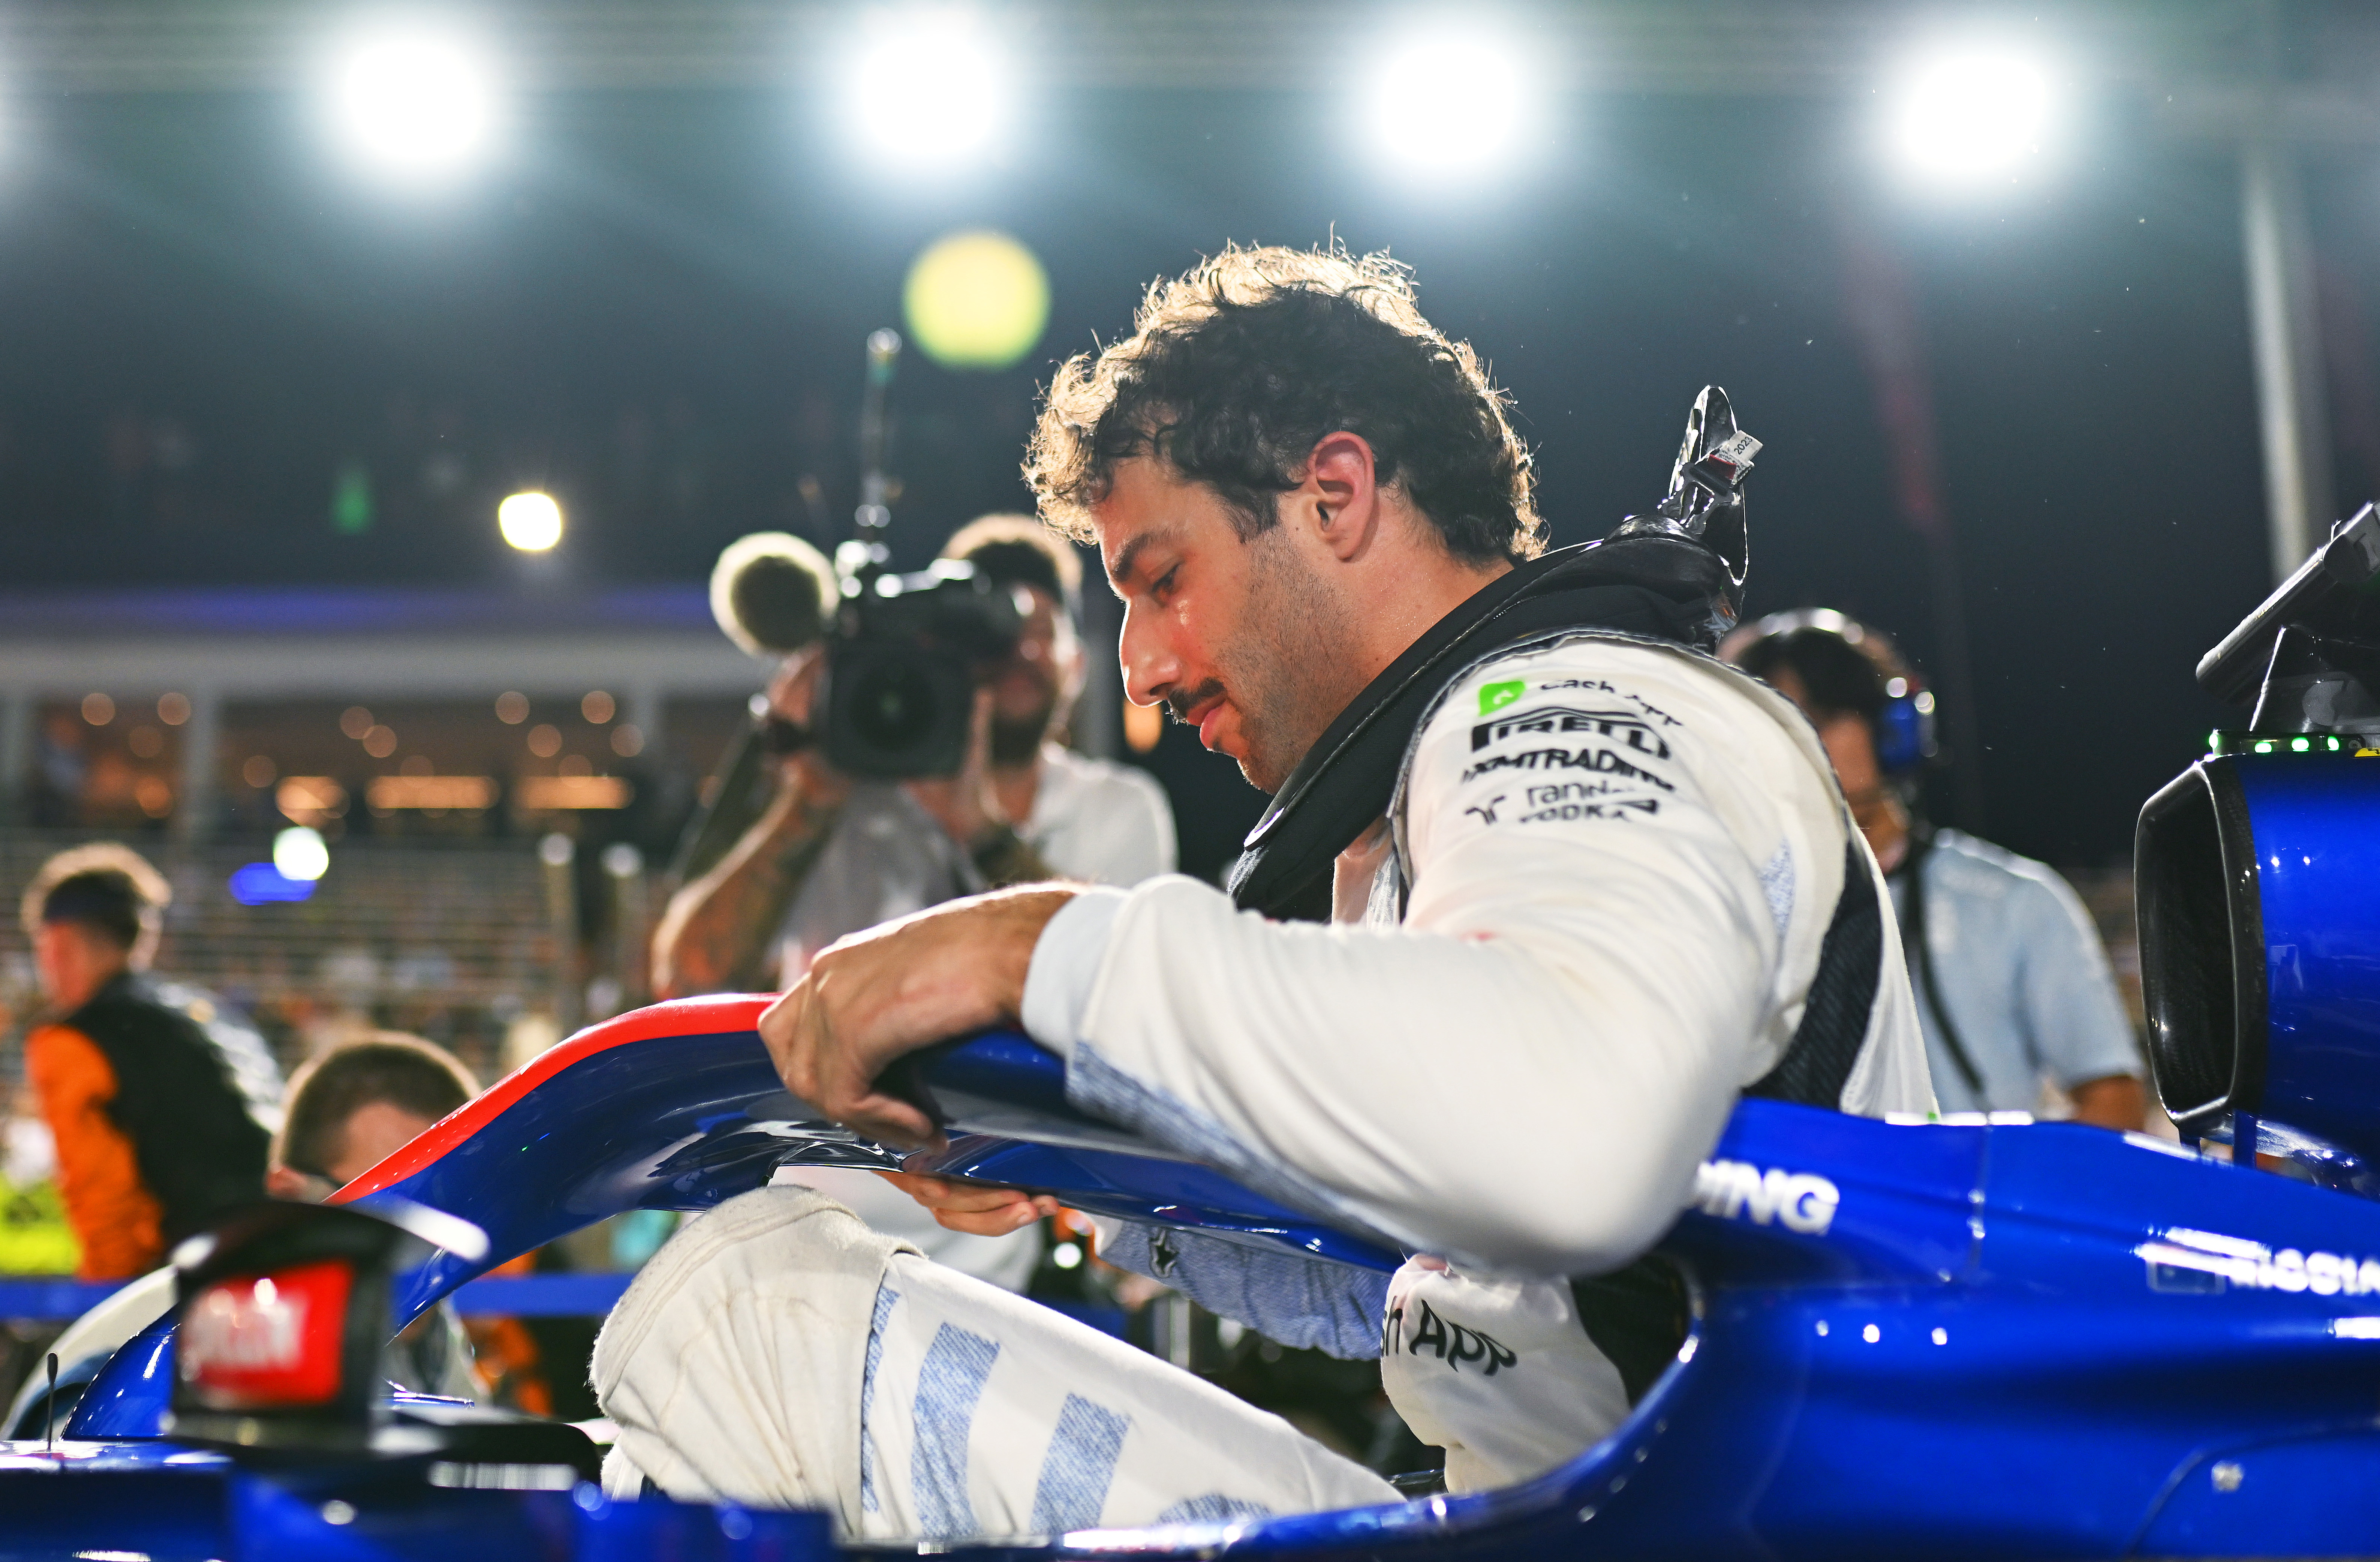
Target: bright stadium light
column 931, row 90
column 415, row 102
column 298, row 853
column 1448, row 101
column 531, row 523
column 1973, row 115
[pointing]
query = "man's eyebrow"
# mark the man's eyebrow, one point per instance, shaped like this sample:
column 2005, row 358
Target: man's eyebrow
column 1128, row 556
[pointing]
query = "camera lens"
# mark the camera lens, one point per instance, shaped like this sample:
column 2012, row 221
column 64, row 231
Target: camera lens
column 897, row 705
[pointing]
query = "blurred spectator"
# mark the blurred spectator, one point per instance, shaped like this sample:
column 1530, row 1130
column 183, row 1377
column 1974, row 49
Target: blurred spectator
column 349, row 1110
column 142, row 1087
column 60, row 771
column 2013, row 989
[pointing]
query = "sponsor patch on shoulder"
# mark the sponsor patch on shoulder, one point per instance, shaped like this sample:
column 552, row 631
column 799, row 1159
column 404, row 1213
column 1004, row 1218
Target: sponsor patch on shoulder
column 1624, row 726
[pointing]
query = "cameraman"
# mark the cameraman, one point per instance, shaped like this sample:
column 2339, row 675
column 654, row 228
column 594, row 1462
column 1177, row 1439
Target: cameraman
column 832, row 855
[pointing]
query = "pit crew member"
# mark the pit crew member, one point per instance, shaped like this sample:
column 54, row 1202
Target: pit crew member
column 161, row 1105
column 2012, row 984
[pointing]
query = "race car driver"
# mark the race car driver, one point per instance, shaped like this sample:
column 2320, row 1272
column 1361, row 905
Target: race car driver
column 1587, row 887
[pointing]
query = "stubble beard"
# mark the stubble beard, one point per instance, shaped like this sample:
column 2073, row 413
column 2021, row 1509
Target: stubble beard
column 1016, row 740
column 1283, row 670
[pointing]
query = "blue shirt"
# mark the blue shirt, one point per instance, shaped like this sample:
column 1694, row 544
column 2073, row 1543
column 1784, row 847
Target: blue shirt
column 2019, row 967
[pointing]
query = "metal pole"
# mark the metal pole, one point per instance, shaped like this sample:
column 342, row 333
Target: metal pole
column 194, row 815
column 557, row 854
column 1098, row 715
column 18, row 715
column 2290, row 408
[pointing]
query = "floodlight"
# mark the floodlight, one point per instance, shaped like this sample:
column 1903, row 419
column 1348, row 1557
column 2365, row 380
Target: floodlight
column 1448, row 101
column 1977, row 114
column 414, row 101
column 930, row 89
column 298, row 853
column 531, row 521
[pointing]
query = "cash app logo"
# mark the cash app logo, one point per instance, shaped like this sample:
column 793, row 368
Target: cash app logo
column 1494, row 697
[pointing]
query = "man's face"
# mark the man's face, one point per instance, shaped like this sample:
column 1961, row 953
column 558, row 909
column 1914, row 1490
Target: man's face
column 72, row 962
column 1240, row 639
column 1851, row 745
column 376, row 1130
column 1028, row 685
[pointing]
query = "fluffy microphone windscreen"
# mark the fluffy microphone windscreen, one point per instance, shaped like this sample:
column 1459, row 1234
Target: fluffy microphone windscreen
column 771, row 592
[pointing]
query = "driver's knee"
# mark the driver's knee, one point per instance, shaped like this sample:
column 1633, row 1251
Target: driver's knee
column 732, row 1366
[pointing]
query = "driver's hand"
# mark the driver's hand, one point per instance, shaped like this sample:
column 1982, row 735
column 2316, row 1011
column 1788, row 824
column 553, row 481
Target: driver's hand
column 972, row 1207
column 875, row 995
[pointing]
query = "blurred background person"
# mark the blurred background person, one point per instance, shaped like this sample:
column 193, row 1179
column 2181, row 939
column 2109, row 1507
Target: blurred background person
column 2013, row 988
column 830, row 856
column 349, row 1110
column 157, row 1126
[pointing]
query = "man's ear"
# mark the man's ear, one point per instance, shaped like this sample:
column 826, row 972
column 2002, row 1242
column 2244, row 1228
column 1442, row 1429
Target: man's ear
column 280, row 1182
column 1340, row 496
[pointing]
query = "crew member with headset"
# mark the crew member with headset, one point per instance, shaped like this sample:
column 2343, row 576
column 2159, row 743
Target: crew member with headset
column 830, row 855
column 2012, row 985
column 1587, row 887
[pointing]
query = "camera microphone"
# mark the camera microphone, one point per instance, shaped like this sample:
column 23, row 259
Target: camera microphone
column 772, row 593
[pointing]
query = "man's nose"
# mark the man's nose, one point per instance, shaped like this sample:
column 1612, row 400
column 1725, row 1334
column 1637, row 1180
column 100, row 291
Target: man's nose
column 1149, row 666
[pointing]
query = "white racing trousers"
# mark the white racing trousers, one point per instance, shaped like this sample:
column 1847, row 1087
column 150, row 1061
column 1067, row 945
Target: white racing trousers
column 779, row 1353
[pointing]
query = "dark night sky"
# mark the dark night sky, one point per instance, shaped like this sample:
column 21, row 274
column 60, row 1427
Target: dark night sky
column 656, row 306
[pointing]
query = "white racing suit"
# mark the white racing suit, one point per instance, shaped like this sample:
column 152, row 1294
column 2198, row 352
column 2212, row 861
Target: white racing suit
column 1594, row 920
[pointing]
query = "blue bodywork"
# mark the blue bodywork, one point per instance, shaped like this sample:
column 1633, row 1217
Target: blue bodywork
column 1985, row 1340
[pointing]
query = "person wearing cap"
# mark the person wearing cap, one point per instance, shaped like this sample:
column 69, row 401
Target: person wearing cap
column 161, row 1107
column 832, row 856
column 2013, row 989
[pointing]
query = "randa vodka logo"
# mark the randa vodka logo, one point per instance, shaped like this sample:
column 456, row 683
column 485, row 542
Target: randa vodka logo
column 1802, row 1201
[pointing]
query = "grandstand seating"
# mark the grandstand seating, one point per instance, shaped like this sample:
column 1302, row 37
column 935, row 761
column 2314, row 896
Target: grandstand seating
column 448, row 940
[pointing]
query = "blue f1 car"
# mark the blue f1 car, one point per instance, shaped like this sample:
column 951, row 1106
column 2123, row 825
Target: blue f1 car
column 1983, row 1339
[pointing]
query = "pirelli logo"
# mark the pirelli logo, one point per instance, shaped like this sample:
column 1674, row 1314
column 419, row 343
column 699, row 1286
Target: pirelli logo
column 1622, row 726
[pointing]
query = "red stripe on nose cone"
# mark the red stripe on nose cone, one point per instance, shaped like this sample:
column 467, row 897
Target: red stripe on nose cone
column 719, row 1014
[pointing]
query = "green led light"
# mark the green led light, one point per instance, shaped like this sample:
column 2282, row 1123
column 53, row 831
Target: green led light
column 2264, row 748
column 2298, row 745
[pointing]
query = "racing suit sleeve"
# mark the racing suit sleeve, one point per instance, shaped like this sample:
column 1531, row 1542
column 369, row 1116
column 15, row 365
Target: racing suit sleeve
column 116, row 1219
column 1523, row 1074
column 1306, row 1303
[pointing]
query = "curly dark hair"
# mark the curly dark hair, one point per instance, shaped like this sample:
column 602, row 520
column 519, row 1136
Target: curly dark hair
column 1236, row 370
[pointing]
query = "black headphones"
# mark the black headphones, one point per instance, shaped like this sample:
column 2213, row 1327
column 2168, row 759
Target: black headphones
column 1905, row 727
